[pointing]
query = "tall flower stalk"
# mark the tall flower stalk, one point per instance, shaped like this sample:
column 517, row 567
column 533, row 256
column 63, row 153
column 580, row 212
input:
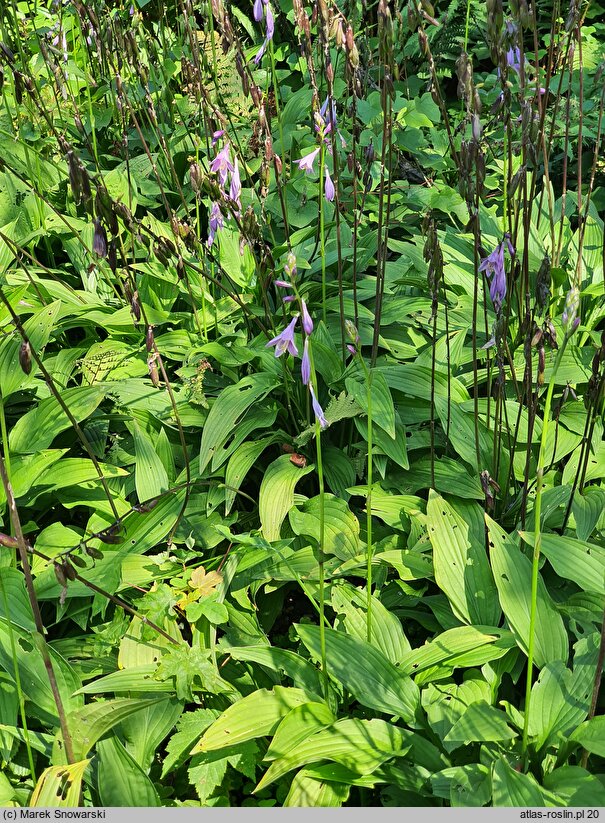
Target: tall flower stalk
column 284, row 342
column 570, row 323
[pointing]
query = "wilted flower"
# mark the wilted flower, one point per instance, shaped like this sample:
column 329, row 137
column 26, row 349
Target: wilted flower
column 329, row 189
column 285, row 341
column 99, row 240
column 317, row 409
column 307, row 323
column 305, row 368
column 306, row 163
column 493, row 266
column 216, row 222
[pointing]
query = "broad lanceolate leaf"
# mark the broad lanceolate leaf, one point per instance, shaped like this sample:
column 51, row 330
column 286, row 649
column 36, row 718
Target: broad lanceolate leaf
column 370, row 677
column 277, row 494
column 38, row 428
column 228, row 408
column 383, row 409
column 341, row 527
column 451, row 644
column 256, row 715
column 360, row 745
column 513, row 788
column 60, row 786
column 91, row 722
column 572, row 559
column 591, row 735
column 150, row 476
column 240, row 463
column 38, row 329
column 121, row 781
column 587, row 508
column 512, row 573
column 461, row 564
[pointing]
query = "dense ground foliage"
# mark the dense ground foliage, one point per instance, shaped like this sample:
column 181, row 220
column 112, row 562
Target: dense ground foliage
column 302, row 367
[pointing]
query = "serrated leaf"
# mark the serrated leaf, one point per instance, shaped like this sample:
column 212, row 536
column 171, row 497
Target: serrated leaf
column 462, row 569
column 512, row 573
column 370, row 677
column 276, row 496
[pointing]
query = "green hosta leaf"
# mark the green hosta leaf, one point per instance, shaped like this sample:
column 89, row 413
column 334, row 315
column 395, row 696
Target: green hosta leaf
column 14, row 602
column 561, row 698
column 121, row 782
column 339, row 471
column 415, row 381
column 38, row 329
column 59, row 786
column 301, row 672
column 391, row 508
column 480, row 723
column 449, row 646
column 227, row 410
column 587, row 508
column 90, row 723
column 591, row 735
column 512, row 788
column 145, row 730
column 297, row 726
column 572, row 559
column 308, row 791
column 468, row 785
column 359, row 745
column 383, row 409
column 33, row 675
column 38, row 428
column 370, row 677
column 150, row 476
column 462, row 569
column 395, row 448
column 240, row 463
column 277, row 494
column 387, row 632
column 140, row 679
column 341, row 527
column 256, row 715
column 512, row 573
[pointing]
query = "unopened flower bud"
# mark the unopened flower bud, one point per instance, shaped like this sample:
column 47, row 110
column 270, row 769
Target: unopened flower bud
column 25, row 357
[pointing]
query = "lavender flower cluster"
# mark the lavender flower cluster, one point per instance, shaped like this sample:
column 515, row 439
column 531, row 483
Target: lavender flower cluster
column 262, row 9
column 227, row 170
column 284, row 342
